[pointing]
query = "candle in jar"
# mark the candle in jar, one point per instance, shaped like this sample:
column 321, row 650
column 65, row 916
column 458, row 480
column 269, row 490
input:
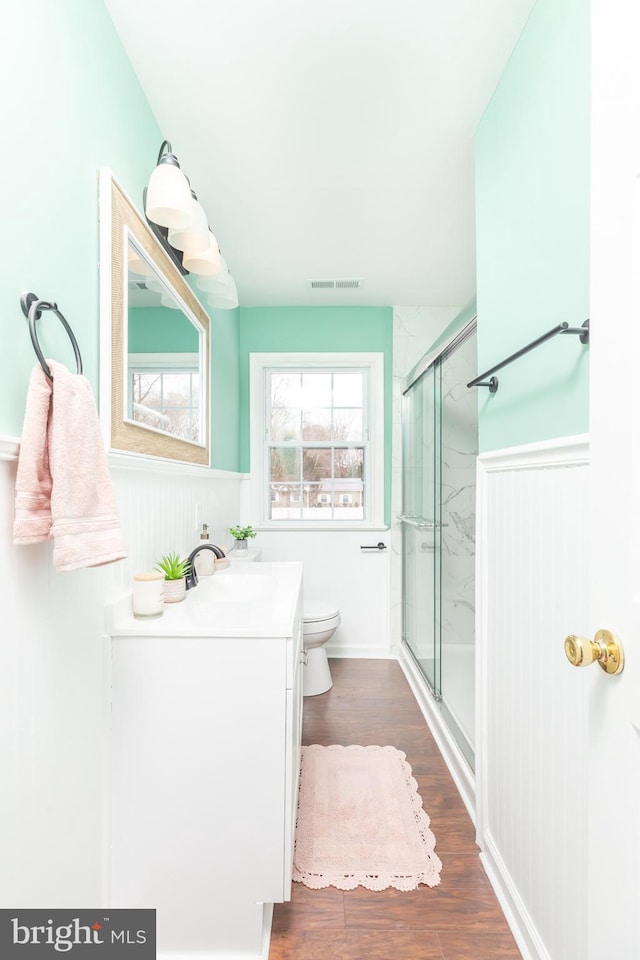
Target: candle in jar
column 148, row 595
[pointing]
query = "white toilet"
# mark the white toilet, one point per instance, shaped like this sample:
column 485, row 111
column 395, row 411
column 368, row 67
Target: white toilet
column 321, row 620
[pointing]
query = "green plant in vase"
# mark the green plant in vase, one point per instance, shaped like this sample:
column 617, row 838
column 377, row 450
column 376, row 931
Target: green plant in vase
column 175, row 570
column 242, row 535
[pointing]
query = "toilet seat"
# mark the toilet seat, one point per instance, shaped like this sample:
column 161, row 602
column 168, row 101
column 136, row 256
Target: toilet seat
column 315, row 611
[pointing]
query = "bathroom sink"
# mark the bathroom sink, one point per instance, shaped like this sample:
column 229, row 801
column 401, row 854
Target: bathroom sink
column 237, row 602
column 236, row 588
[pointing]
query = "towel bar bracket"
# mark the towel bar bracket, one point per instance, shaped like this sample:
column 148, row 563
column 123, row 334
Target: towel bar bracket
column 493, row 384
column 32, row 308
column 25, row 302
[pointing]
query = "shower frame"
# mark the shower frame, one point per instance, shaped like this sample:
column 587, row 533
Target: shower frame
column 432, row 680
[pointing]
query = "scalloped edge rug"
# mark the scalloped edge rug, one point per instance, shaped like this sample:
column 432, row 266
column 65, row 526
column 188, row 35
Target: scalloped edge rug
column 361, row 822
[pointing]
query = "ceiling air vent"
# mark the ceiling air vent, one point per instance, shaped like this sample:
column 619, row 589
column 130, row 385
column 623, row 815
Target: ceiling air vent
column 334, row 284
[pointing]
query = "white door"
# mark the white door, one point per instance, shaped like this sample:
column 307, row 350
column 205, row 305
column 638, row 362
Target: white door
column 611, row 897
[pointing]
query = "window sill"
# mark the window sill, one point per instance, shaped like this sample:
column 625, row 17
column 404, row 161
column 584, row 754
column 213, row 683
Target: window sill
column 321, row 527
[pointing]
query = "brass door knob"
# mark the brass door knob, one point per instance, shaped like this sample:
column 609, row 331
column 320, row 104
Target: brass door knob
column 581, row 652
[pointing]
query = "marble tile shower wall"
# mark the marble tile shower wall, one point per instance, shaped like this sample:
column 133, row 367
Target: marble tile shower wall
column 414, row 331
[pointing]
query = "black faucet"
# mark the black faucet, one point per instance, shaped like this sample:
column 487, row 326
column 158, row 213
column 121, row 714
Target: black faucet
column 191, row 579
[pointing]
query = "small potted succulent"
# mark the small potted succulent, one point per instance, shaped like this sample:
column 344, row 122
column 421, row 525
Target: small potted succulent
column 242, row 536
column 175, row 571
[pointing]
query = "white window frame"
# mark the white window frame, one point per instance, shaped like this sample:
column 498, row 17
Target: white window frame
column 370, row 363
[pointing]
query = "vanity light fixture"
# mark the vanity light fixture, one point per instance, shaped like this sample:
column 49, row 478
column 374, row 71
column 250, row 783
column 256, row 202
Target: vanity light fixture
column 221, row 289
column 213, row 282
column 168, row 200
column 226, row 298
column 203, row 262
column 179, row 222
column 195, row 235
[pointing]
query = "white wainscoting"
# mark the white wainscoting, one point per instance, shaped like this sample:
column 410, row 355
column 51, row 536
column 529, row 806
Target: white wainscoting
column 531, row 713
column 337, row 570
column 54, row 677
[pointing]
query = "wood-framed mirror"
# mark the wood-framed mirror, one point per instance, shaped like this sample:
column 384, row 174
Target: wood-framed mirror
column 155, row 341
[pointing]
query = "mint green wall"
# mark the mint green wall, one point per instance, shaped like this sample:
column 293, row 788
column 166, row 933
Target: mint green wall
column 71, row 104
column 316, row 330
column 532, row 191
column 225, row 389
column 161, row 330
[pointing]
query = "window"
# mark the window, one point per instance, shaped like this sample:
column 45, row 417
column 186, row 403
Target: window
column 320, row 460
column 164, row 393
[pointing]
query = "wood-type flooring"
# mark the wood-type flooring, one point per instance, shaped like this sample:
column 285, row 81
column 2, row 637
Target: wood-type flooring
column 372, row 703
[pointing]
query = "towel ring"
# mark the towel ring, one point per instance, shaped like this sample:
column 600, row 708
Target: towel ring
column 32, row 308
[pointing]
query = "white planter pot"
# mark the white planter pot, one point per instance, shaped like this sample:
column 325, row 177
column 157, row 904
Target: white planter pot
column 175, row 590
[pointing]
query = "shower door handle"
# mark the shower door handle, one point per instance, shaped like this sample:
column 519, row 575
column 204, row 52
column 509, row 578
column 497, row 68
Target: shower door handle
column 605, row 648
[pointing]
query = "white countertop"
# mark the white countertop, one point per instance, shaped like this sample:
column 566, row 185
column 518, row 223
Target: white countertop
column 245, row 600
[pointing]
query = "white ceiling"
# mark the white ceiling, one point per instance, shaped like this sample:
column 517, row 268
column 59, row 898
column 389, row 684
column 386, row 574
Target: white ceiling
column 328, row 139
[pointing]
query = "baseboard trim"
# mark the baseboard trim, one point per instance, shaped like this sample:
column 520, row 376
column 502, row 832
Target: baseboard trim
column 359, row 653
column 452, row 755
column 522, row 926
column 267, row 919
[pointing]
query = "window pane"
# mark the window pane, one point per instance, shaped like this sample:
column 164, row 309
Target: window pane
column 316, row 465
column 347, row 390
column 176, row 388
column 349, row 502
column 168, row 402
column 347, row 425
column 146, row 388
column 316, row 424
column 285, row 423
column 180, row 424
column 285, row 463
column 285, row 390
column 349, row 462
column 316, row 390
column 285, row 501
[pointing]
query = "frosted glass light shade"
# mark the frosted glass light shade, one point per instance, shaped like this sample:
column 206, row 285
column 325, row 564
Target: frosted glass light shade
column 203, row 262
column 169, row 202
column 213, row 282
column 195, row 236
column 226, row 298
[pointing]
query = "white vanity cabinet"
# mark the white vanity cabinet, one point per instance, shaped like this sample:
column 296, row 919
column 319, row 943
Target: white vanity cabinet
column 205, row 756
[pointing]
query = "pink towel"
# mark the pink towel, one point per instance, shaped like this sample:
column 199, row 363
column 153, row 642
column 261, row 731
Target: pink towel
column 63, row 488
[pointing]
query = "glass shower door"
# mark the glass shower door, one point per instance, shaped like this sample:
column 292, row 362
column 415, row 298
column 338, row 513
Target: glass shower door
column 458, row 455
column 420, row 528
column 440, row 438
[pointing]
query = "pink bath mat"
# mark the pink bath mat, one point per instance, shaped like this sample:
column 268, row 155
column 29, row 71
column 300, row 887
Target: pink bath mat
column 361, row 821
